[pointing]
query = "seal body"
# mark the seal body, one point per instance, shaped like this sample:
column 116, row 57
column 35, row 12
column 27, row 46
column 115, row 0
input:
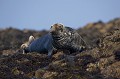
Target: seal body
column 60, row 37
column 42, row 44
column 66, row 38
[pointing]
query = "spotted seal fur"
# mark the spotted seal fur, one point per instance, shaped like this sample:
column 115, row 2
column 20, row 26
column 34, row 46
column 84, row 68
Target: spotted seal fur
column 66, row 38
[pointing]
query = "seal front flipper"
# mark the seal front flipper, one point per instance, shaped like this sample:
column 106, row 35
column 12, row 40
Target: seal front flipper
column 50, row 53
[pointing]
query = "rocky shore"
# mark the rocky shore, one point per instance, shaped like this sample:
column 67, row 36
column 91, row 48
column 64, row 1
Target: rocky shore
column 102, row 61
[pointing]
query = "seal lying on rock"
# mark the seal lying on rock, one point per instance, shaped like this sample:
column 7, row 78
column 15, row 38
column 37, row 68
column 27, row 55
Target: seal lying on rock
column 60, row 37
column 66, row 38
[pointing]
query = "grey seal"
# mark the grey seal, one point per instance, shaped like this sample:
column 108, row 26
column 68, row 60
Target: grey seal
column 59, row 37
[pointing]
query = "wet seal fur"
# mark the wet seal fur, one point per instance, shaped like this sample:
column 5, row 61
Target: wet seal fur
column 42, row 44
column 59, row 37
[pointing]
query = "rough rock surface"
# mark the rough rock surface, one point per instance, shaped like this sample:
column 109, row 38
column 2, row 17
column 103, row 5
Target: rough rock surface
column 102, row 61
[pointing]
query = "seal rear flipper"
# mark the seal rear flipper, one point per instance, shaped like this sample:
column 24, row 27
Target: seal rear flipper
column 31, row 39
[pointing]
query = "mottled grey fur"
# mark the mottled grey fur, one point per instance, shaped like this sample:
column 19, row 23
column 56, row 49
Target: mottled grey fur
column 66, row 38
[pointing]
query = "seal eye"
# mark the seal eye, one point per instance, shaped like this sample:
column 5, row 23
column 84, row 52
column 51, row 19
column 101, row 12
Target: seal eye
column 51, row 26
column 61, row 26
column 61, row 29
